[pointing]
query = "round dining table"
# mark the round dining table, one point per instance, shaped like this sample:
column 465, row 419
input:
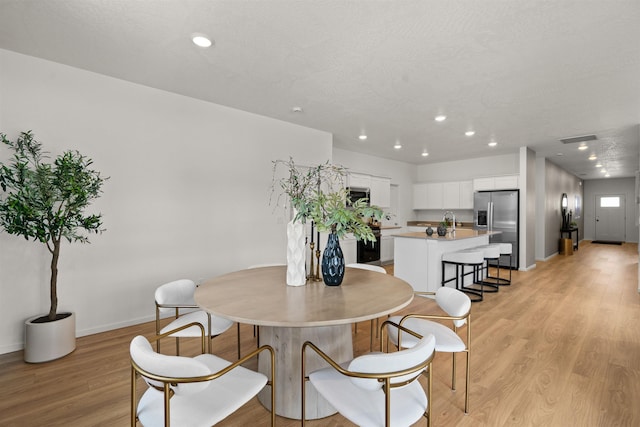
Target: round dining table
column 290, row 315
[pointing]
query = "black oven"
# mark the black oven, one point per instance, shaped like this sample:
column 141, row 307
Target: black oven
column 369, row 253
column 355, row 194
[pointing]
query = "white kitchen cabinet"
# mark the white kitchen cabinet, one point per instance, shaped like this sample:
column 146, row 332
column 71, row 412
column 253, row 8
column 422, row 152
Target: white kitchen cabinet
column 451, row 195
column 386, row 249
column 380, row 191
column 435, row 192
column 466, row 194
column 420, row 196
column 349, row 250
column 358, row 180
column 481, row 184
column 429, row 195
column 504, row 182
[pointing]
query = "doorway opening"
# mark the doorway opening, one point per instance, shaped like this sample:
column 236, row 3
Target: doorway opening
column 610, row 218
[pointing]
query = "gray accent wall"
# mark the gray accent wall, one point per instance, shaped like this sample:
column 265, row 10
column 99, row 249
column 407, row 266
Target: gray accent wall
column 556, row 182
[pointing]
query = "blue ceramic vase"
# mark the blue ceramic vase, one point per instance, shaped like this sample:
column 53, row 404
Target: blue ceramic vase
column 333, row 262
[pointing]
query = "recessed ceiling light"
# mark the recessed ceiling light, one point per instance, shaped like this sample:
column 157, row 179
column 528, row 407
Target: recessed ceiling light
column 397, row 146
column 201, row 40
column 582, row 147
column 603, row 170
column 559, row 154
column 493, row 144
column 469, row 133
column 362, row 137
column 598, row 165
column 440, row 118
column 296, row 110
column 606, row 175
column 425, row 153
column 592, row 157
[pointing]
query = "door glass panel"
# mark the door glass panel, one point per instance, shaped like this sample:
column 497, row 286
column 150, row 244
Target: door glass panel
column 610, row 202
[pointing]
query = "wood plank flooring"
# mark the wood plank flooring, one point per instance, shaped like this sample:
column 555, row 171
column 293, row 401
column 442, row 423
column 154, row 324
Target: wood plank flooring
column 560, row 347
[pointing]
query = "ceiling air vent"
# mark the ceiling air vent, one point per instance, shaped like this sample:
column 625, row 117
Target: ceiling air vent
column 574, row 139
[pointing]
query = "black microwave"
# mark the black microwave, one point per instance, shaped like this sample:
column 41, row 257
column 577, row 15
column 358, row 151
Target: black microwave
column 355, row 193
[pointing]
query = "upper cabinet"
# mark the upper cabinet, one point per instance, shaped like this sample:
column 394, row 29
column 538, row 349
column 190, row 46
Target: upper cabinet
column 451, row 195
column 504, row 182
column 443, row 195
column 358, row 180
column 420, row 199
column 466, row 195
column 380, row 191
column 380, row 188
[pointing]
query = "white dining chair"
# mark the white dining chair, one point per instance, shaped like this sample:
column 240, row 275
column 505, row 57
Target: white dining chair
column 377, row 269
column 376, row 389
column 198, row 391
column 457, row 306
column 176, row 297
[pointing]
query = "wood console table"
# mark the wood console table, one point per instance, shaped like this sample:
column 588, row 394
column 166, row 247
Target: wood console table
column 569, row 232
column 288, row 316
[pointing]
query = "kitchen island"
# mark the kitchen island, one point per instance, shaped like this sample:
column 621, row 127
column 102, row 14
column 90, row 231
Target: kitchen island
column 417, row 257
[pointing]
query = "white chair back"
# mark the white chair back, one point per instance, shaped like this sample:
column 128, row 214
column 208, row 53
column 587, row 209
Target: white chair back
column 454, row 302
column 168, row 366
column 392, row 362
column 178, row 292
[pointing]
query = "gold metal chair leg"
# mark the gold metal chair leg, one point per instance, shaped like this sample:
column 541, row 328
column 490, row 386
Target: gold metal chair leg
column 453, row 374
column 466, row 388
column 238, row 341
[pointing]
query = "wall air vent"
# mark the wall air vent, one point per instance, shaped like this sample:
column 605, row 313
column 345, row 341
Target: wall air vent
column 574, row 139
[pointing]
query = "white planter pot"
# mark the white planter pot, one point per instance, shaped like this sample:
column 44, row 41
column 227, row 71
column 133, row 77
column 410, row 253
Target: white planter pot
column 296, row 245
column 49, row 340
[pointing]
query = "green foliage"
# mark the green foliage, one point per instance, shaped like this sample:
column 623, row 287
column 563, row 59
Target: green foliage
column 46, row 201
column 318, row 193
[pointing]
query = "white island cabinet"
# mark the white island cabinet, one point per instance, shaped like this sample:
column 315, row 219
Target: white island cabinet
column 418, row 257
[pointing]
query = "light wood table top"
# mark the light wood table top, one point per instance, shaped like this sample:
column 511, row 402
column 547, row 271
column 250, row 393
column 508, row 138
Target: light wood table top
column 260, row 296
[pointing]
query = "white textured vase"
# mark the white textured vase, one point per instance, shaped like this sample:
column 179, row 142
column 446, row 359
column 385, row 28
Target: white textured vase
column 296, row 273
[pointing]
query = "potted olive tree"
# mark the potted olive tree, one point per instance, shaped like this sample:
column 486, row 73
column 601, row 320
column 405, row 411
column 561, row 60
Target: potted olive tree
column 46, row 201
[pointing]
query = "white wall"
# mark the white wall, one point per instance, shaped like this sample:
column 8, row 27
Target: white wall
column 599, row 187
column 528, row 209
column 188, row 194
column 402, row 175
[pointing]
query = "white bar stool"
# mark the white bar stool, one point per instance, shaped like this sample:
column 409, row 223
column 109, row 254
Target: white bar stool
column 473, row 258
column 506, row 249
column 491, row 253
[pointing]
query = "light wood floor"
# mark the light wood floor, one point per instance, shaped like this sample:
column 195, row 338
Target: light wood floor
column 560, row 347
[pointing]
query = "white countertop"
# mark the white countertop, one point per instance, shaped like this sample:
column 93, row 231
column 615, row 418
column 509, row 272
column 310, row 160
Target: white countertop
column 460, row 234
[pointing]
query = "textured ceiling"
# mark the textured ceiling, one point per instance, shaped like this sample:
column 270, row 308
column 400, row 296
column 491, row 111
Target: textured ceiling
column 523, row 73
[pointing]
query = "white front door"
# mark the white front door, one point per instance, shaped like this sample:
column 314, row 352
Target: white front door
column 610, row 217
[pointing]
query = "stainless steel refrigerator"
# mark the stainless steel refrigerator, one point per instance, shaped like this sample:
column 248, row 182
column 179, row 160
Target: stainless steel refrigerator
column 499, row 211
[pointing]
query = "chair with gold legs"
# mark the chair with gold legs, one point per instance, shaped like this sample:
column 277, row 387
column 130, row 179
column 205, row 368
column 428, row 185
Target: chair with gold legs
column 457, row 307
column 376, row 389
column 177, row 298
column 198, row 391
column 377, row 269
